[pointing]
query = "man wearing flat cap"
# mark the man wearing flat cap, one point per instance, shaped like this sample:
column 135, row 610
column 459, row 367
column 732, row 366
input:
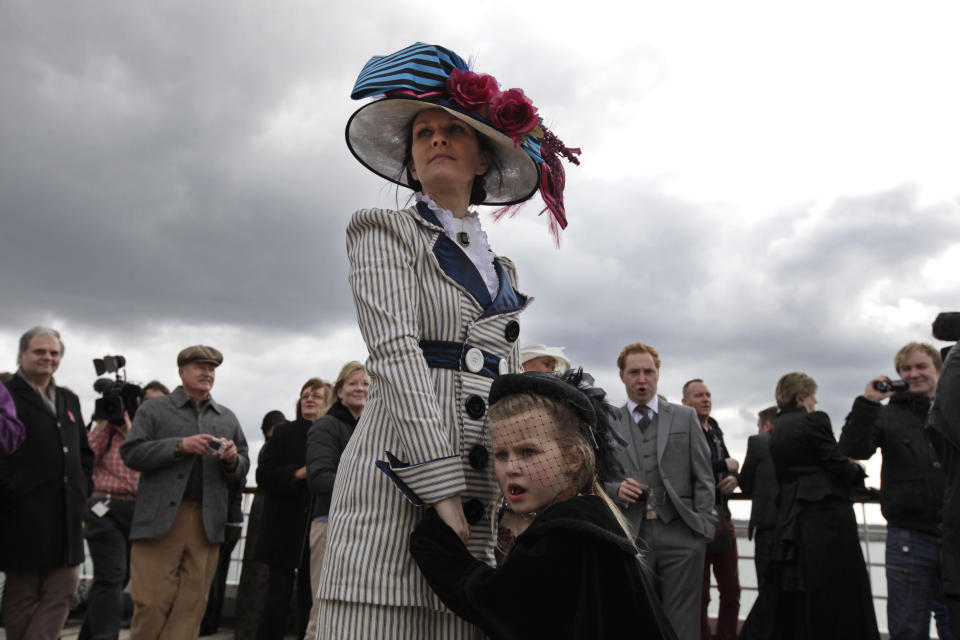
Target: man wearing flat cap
column 187, row 448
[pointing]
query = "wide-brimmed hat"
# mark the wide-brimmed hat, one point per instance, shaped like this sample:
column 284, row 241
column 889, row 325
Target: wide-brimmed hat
column 532, row 351
column 424, row 76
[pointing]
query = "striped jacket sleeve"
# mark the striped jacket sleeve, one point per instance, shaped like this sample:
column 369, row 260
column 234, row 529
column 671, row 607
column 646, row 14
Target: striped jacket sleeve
column 383, row 248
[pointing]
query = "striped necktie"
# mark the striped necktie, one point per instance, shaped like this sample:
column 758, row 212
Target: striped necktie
column 644, row 417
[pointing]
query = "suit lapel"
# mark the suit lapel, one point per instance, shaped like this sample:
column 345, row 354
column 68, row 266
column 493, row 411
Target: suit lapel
column 27, row 393
column 663, row 428
column 454, row 263
column 457, row 266
column 631, row 430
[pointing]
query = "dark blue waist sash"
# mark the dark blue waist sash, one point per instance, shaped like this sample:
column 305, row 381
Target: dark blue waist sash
column 442, row 354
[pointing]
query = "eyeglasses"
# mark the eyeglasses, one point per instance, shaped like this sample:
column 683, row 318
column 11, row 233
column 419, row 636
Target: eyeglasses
column 315, row 396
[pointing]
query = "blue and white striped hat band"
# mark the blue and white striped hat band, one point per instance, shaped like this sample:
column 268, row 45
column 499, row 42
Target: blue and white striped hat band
column 422, row 77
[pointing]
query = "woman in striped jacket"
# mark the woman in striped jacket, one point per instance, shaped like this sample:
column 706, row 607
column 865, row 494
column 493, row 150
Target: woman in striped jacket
column 439, row 314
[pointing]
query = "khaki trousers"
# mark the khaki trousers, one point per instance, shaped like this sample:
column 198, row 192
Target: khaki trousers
column 170, row 578
column 318, row 544
column 37, row 603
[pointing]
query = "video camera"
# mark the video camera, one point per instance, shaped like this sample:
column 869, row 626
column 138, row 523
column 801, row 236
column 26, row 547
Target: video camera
column 117, row 395
column 947, row 328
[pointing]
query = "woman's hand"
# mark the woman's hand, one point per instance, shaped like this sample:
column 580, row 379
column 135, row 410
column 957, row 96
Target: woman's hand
column 450, row 511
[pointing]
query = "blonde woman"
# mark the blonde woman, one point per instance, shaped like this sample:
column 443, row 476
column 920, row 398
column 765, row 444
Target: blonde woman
column 326, row 440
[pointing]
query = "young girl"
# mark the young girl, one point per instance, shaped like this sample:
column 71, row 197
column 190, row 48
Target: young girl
column 574, row 572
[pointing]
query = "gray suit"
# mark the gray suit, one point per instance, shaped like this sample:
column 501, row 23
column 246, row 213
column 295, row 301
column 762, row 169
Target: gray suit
column 674, row 544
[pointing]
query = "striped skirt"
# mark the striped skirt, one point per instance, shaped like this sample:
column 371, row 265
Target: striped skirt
column 341, row 620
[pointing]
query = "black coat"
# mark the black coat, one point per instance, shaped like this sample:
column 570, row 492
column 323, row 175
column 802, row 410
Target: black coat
column 911, row 478
column 285, row 510
column 572, row 574
column 326, row 440
column 817, row 586
column 44, row 484
column 945, row 421
column 758, row 481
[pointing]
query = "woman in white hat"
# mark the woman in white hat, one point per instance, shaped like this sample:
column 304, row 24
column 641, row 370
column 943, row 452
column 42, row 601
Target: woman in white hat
column 538, row 357
column 438, row 311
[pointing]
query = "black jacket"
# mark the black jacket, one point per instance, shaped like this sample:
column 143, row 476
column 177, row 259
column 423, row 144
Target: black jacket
column 284, row 525
column 758, row 481
column 44, row 484
column 945, row 422
column 718, row 463
column 911, row 478
column 326, row 440
column 572, row 574
column 817, row 585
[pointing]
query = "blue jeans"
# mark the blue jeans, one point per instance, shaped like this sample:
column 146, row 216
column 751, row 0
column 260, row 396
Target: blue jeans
column 913, row 585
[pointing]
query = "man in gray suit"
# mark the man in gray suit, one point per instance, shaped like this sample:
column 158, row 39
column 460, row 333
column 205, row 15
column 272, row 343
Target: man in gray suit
column 187, row 448
column 667, row 489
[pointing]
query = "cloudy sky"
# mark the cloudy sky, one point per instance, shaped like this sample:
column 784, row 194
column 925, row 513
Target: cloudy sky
column 764, row 187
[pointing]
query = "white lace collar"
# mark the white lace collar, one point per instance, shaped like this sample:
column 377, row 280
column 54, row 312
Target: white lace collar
column 478, row 250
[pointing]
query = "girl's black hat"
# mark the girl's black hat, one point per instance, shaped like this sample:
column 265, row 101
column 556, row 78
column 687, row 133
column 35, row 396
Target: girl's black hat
column 574, row 389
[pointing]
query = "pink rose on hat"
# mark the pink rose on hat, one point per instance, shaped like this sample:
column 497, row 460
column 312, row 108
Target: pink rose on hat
column 472, row 90
column 513, row 113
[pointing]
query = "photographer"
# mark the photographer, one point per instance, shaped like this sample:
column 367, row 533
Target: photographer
column 107, row 520
column 944, row 421
column 187, row 448
column 911, row 486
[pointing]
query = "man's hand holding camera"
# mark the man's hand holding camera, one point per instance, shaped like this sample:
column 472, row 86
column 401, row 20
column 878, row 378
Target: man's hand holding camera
column 223, row 448
column 878, row 389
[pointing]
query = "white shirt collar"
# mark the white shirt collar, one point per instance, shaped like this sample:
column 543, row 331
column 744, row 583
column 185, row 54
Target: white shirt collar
column 654, row 405
column 478, row 250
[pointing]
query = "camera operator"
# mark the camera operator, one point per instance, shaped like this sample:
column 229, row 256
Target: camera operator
column 945, row 422
column 107, row 520
column 911, row 486
column 188, row 448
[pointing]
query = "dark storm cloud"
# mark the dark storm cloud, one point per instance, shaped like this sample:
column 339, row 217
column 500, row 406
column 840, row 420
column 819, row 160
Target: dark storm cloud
column 184, row 166
column 737, row 304
column 140, row 178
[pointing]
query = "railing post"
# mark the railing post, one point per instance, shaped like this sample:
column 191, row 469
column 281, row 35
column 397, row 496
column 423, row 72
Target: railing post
column 866, row 535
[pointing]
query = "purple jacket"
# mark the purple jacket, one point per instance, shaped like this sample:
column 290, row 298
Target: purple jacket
column 11, row 429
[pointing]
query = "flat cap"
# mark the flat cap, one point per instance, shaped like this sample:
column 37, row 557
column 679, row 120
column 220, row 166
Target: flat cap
column 200, row 353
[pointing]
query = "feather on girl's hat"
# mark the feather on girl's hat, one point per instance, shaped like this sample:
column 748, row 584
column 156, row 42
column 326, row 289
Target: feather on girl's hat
column 424, row 76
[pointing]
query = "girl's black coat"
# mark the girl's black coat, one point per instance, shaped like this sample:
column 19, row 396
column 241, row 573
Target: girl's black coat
column 572, row 574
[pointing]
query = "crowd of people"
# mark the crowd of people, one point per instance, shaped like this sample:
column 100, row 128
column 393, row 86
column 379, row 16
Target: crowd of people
column 454, row 485
column 157, row 500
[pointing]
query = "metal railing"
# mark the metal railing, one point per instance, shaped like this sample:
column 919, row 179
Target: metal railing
column 868, row 534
